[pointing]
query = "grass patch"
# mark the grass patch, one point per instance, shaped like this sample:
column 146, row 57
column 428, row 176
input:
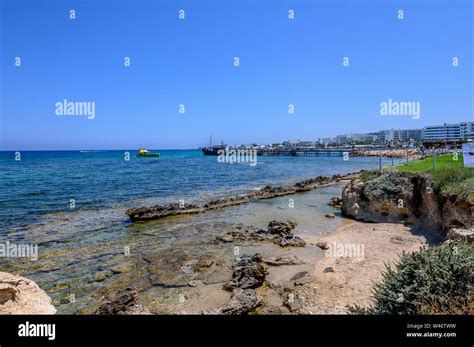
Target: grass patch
column 451, row 176
column 445, row 161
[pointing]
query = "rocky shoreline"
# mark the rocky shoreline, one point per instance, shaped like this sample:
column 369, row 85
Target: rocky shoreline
column 388, row 153
column 408, row 209
column 267, row 192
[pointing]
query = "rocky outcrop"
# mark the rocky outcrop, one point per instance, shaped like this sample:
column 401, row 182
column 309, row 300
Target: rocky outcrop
column 160, row 211
column 122, row 302
column 405, row 197
column 19, row 295
column 280, row 233
column 267, row 192
column 242, row 301
column 249, row 272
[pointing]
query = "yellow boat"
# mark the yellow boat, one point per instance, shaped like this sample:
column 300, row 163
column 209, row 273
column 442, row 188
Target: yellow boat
column 146, row 153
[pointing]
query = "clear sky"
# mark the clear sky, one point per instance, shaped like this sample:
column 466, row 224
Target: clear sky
column 191, row 62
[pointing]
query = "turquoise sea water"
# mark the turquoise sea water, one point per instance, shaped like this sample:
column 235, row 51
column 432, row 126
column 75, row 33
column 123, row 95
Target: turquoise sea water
column 81, row 249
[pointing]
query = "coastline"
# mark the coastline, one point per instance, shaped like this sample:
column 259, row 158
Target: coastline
column 267, row 192
column 297, row 282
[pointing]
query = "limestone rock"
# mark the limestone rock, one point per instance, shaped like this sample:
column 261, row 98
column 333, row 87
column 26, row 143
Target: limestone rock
column 243, row 301
column 19, row 295
column 249, row 272
column 413, row 199
column 288, row 259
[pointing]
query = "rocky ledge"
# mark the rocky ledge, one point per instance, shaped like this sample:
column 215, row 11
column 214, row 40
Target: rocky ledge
column 406, row 197
column 267, row 192
column 19, row 295
column 280, row 233
column 248, row 273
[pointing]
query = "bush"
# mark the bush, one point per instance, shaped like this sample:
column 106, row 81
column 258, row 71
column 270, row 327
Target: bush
column 457, row 181
column 436, row 280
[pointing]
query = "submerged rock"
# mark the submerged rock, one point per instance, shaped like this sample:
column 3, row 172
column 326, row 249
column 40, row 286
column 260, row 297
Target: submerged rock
column 288, row 259
column 203, row 263
column 160, row 211
column 19, row 295
column 122, row 302
column 196, row 283
column 336, row 202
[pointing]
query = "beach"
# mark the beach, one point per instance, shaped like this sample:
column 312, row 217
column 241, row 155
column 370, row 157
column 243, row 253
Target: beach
column 352, row 281
column 182, row 263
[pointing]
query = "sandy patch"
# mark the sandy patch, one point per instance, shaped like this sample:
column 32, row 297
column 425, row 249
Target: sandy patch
column 353, row 277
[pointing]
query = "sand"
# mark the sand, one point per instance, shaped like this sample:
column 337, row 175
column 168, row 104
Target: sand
column 353, row 277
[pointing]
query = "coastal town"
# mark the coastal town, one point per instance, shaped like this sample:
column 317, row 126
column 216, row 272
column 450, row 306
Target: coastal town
column 445, row 136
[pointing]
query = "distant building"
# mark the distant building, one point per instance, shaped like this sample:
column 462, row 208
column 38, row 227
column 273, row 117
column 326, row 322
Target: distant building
column 306, row 144
column 399, row 135
column 467, row 130
column 385, row 136
column 449, row 132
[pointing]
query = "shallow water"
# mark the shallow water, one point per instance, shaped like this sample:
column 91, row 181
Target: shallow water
column 88, row 252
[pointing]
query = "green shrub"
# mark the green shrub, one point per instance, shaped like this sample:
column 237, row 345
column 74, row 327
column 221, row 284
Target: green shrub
column 457, row 181
column 436, row 280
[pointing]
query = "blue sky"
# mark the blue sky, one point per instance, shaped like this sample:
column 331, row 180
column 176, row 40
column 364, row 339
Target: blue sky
column 190, row 62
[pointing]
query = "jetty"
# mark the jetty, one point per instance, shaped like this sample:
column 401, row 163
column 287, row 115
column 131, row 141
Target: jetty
column 340, row 152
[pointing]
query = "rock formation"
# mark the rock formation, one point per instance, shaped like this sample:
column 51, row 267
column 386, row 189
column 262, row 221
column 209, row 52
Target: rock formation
column 249, row 272
column 405, row 197
column 19, row 295
column 280, row 233
column 267, row 192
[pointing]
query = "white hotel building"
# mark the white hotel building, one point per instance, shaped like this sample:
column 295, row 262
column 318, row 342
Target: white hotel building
column 446, row 133
column 449, row 132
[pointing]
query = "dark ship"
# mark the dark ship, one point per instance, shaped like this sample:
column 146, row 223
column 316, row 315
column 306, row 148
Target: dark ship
column 213, row 150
